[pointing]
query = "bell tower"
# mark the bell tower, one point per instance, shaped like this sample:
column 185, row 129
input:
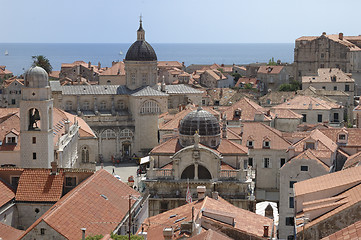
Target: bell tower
column 36, row 120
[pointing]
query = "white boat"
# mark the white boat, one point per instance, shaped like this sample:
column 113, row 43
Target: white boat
column 6, row 52
column 120, row 53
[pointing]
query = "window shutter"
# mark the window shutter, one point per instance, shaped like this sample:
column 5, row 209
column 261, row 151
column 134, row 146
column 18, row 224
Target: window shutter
column 270, row 162
column 262, row 162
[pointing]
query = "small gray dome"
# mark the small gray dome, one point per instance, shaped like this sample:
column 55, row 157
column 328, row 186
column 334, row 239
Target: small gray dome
column 36, row 77
column 141, row 50
column 199, row 120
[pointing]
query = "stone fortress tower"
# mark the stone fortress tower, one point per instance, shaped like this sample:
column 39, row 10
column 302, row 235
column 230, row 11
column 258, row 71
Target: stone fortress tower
column 36, row 127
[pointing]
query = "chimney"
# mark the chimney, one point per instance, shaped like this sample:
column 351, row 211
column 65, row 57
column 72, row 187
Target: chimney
column 83, row 233
column 201, row 190
column 89, row 64
column 67, row 124
column 168, row 233
column 340, row 36
column 54, row 168
column 324, row 33
column 99, row 66
column 215, row 195
column 265, row 231
column 113, row 63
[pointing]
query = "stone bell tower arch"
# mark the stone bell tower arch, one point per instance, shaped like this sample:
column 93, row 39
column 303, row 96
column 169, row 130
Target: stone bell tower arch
column 36, row 120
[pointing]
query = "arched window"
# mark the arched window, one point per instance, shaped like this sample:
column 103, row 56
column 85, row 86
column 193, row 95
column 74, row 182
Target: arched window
column 144, row 79
column 150, row 107
column 108, row 134
column 85, row 154
column 34, row 119
column 126, row 133
column 132, row 77
column 120, row 105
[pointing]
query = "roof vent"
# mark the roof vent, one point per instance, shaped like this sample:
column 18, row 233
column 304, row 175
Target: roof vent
column 105, row 197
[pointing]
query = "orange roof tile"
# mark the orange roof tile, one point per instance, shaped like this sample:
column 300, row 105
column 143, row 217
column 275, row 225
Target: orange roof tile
column 353, row 135
column 270, row 69
column 351, row 232
column 326, row 74
column 287, row 113
column 257, row 131
column 353, row 161
column 246, row 80
column 228, row 147
column 324, row 143
column 9, row 233
column 170, row 64
column 249, row 110
column 245, row 221
column 6, row 194
column 98, row 204
column 168, row 147
column 116, row 69
column 46, row 187
column 308, row 154
column 210, row 235
column 307, row 103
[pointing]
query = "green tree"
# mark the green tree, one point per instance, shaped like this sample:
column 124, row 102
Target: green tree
column 248, row 86
column 292, row 86
column 272, row 62
column 236, row 76
column 95, row 237
column 125, row 237
column 42, row 61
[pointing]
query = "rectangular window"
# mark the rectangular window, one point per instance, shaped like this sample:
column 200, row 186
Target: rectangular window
column 290, row 221
column 250, row 162
column 13, row 101
column 42, row 231
column 266, row 163
column 291, row 202
column 282, row 162
column 266, row 144
column 347, row 88
column 304, row 168
column 292, row 183
column 34, row 155
column 304, row 119
column 323, row 87
column 250, row 144
column 322, row 65
column 335, row 88
column 341, row 137
column 70, row 181
column 245, row 163
column 34, row 140
column 203, row 102
column 11, row 140
column 319, row 118
column 15, row 182
column 132, row 77
column 335, row 117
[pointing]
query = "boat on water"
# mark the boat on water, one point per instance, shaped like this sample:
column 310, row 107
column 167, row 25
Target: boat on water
column 6, row 52
column 120, row 53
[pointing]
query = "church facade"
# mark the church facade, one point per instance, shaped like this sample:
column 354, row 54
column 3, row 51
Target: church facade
column 125, row 117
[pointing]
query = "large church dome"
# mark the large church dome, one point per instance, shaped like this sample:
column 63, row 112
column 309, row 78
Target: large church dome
column 141, row 50
column 36, row 77
column 202, row 122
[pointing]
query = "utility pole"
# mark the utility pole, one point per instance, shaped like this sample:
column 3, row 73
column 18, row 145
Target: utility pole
column 130, row 216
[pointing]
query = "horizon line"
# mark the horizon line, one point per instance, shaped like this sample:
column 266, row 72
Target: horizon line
column 150, row 42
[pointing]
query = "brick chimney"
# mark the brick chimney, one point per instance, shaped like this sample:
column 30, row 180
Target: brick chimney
column 201, row 190
column 265, row 231
column 89, row 64
column 215, row 195
column 340, row 36
column 99, row 66
column 54, row 168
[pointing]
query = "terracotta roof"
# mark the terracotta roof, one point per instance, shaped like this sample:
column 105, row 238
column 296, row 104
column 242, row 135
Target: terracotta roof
column 323, row 142
column 326, row 75
column 347, row 177
column 353, row 135
column 351, row 232
column 353, row 161
column 228, row 147
column 46, row 188
column 307, row 103
column 334, row 37
column 169, row 147
column 9, row 233
column 6, row 194
column 54, row 74
column 258, row 131
column 275, row 98
column 9, row 121
column 225, row 166
column 210, row 235
column 270, row 69
column 350, row 193
column 286, row 113
column 98, row 204
column 170, row 64
column 232, row 135
column 8, row 82
column 249, row 110
column 116, row 69
column 246, row 80
column 245, row 221
column 308, row 154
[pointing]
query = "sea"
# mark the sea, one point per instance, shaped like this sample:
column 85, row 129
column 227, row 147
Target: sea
column 19, row 56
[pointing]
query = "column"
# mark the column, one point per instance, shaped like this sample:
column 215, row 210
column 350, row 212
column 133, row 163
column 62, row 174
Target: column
column 95, row 106
column 195, row 171
column 78, row 105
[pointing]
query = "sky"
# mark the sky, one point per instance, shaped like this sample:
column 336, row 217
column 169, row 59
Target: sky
column 170, row 21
